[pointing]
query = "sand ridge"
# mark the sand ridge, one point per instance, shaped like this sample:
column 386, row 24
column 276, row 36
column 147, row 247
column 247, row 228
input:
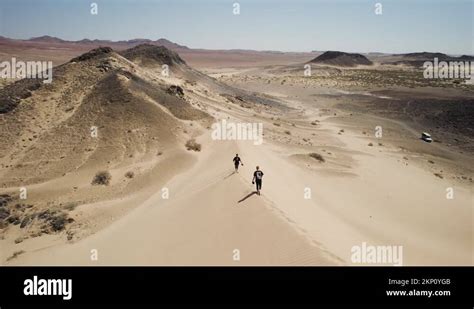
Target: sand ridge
column 317, row 136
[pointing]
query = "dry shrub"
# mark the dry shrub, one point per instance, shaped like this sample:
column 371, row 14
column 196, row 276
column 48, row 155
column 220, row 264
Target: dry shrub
column 317, row 156
column 193, row 145
column 102, row 178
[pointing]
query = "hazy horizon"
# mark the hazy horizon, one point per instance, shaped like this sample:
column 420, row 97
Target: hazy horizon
column 245, row 49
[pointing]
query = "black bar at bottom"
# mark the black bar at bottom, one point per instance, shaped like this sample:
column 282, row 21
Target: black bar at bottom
column 242, row 285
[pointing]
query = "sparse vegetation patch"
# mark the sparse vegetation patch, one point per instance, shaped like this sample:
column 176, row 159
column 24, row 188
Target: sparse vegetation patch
column 193, row 145
column 102, row 178
column 317, row 156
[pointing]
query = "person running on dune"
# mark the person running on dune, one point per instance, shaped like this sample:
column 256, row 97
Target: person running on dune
column 257, row 178
column 236, row 162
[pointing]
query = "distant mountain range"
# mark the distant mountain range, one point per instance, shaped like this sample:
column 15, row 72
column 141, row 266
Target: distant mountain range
column 125, row 44
column 418, row 59
column 60, row 51
column 46, row 39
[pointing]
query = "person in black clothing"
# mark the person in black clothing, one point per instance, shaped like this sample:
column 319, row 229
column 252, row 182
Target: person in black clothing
column 237, row 161
column 257, row 178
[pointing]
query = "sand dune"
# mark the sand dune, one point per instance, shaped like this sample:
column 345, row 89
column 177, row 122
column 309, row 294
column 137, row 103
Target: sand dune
column 389, row 191
column 211, row 212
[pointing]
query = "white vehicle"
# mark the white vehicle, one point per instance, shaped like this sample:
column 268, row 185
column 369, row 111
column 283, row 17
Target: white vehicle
column 426, row 137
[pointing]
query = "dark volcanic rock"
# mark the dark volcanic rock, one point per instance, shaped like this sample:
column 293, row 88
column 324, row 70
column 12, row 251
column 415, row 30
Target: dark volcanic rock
column 176, row 90
column 4, row 199
column 59, row 223
column 466, row 58
column 338, row 58
column 14, row 219
column 151, row 53
column 95, row 53
column 11, row 95
column 25, row 221
column 55, row 220
column 426, row 55
column 4, row 213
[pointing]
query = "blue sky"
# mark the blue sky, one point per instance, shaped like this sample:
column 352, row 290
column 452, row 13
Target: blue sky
column 290, row 25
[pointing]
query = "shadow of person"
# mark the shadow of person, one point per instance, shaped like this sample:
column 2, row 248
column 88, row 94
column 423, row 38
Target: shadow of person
column 228, row 175
column 247, row 196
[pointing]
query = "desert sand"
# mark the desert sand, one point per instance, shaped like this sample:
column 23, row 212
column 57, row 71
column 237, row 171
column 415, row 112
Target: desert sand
column 382, row 191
